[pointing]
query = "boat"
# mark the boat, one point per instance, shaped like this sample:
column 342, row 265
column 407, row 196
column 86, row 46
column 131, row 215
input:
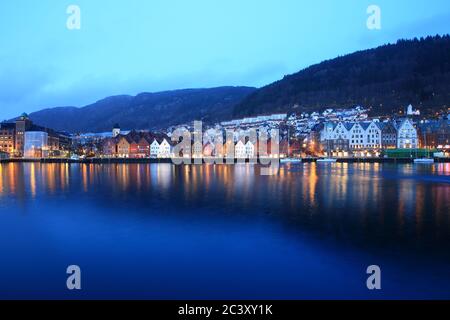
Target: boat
column 424, row 161
column 428, row 159
column 291, row 160
column 326, row 160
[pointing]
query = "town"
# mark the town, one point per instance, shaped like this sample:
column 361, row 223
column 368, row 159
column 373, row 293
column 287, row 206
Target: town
column 331, row 134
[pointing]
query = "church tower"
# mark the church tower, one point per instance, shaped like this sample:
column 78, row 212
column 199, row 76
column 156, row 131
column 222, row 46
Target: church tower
column 115, row 130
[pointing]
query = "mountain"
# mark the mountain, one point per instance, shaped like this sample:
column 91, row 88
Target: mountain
column 146, row 110
column 386, row 79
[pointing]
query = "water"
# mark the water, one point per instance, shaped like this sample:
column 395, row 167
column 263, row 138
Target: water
column 159, row 231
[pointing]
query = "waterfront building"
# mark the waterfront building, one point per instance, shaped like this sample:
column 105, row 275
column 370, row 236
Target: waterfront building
column 434, row 134
column 23, row 124
column 229, row 149
column 4, row 155
column 373, row 136
column 35, row 144
column 7, row 138
column 136, row 144
column 197, row 149
column 123, row 146
column 109, row 147
column 336, row 136
column 160, row 147
column 250, row 151
column 240, row 150
column 143, row 147
column 209, row 150
column 357, row 138
column 165, row 149
column 388, row 135
column 12, row 137
column 407, row 135
column 154, row 148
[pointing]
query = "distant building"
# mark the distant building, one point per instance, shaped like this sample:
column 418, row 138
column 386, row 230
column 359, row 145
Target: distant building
column 115, row 130
column 411, row 112
column 254, row 120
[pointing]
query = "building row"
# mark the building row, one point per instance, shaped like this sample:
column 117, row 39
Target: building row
column 137, row 144
column 23, row 138
column 369, row 136
column 144, row 144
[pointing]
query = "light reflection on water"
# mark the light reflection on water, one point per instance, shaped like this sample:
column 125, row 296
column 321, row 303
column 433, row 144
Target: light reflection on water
column 393, row 212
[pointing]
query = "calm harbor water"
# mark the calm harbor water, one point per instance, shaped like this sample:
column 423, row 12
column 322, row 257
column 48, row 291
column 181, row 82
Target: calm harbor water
column 224, row 232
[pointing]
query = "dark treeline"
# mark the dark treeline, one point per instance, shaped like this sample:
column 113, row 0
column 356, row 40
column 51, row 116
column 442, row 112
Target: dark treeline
column 386, row 78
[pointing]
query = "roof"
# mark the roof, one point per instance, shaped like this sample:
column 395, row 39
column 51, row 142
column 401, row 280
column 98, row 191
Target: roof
column 365, row 125
column 348, row 125
column 7, row 125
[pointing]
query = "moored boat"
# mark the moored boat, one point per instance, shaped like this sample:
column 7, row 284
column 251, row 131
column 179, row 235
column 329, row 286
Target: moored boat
column 291, row 160
column 326, row 160
column 424, row 161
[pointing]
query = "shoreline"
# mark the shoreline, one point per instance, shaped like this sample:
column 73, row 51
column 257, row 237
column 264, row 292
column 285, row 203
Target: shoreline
column 168, row 160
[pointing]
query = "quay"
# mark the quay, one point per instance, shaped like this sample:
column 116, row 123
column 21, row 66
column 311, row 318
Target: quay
column 168, row 160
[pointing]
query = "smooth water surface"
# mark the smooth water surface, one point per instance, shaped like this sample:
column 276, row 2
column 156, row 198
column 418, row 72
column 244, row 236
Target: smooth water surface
column 160, row 231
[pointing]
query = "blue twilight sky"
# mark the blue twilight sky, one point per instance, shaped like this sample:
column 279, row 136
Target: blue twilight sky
column 130, row 46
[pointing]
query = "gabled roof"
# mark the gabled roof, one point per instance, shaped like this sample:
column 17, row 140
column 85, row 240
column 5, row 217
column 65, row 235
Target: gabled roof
column 381, row 125
column 365, row 125
column 401, row 122
column 348, row 125
column 127, row 138
column 145, row 139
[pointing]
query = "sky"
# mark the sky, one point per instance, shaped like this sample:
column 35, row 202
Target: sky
column 132, row 46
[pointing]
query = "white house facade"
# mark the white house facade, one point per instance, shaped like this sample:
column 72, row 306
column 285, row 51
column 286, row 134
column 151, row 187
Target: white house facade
column 164, row 149
column 373, row 136
column 240, row 150
column 250, row 150
column 154, row 149
column 407, row 135
column 357, row 137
